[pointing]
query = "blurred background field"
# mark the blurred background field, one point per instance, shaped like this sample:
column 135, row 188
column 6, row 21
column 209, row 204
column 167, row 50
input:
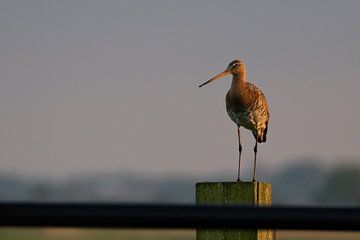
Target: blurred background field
column 95, row 234
column 99, row 100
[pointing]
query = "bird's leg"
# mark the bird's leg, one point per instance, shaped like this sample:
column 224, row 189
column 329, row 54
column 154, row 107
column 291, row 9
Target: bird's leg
column 255, row 151
column 240, row 149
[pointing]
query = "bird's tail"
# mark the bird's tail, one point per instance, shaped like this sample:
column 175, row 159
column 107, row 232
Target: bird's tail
column 260, row 135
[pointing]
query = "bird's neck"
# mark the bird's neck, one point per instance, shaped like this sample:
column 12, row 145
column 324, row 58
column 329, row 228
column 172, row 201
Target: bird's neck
column 238, row 81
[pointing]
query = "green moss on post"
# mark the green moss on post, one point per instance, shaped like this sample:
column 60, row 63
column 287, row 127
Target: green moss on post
column 230, row 193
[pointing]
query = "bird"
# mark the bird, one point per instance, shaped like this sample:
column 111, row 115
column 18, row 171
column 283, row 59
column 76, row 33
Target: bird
column 246, row 106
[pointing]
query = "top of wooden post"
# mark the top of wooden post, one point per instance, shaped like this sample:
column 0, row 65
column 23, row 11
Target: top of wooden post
column 230, row 193
column 249, row 193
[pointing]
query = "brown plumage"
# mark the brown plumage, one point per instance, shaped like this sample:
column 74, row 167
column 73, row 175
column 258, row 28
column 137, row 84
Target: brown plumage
column 246, row 106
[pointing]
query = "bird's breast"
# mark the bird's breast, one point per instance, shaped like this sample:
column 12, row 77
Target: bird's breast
column 241, row 118
column 239, row 111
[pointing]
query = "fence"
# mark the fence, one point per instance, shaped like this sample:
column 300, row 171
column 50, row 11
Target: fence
column 177, row 216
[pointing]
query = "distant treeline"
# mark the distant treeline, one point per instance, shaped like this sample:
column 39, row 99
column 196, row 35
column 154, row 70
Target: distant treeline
column 301, row 183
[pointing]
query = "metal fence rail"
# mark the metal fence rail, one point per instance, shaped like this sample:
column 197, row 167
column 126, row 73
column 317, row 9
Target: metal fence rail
column 177, row 216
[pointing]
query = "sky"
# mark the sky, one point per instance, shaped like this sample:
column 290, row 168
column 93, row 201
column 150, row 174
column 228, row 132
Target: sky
column 111, row 86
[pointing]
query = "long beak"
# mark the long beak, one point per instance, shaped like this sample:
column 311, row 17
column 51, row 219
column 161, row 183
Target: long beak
column 223, row 74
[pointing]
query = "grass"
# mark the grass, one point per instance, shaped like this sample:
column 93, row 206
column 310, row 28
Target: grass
column 92, row 234
column 97, row 234
column 317, row 235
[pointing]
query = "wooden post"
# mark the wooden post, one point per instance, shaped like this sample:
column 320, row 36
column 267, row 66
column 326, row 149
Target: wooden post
column 230, row 193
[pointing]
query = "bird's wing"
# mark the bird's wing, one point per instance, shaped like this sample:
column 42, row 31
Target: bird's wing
column 258, row 102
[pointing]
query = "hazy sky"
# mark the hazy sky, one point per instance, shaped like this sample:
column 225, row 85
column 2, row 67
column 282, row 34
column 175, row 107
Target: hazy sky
column 89, row 86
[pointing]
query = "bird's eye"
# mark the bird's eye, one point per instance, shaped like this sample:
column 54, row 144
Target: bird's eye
column 235, row 65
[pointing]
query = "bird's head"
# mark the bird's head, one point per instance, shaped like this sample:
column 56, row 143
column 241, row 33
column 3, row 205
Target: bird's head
column 236, row 67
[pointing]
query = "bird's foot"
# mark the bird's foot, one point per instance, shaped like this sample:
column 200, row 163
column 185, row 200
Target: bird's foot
column 238, row 180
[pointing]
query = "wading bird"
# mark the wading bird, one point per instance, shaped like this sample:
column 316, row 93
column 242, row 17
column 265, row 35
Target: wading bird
column 246, row 106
